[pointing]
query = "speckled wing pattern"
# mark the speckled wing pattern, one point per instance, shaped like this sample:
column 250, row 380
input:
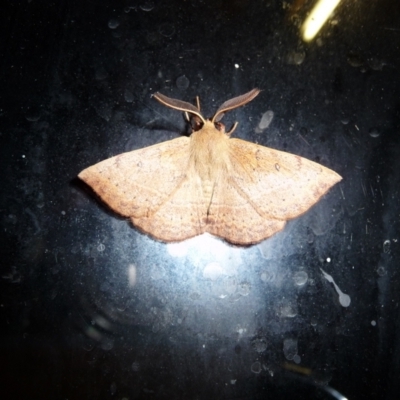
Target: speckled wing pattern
column 264, row 189
column 235, row 217
column 150, row 186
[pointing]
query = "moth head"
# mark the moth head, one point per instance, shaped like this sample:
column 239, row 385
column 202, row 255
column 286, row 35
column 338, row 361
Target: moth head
column 196, row 122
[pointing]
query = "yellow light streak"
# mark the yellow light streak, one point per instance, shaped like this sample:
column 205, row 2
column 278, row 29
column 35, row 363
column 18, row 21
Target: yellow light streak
column 317, row 18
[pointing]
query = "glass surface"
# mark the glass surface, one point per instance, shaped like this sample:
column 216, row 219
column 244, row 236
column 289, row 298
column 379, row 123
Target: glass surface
column 93, row 309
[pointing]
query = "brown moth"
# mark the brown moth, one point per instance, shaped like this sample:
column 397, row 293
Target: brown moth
column 208, row 182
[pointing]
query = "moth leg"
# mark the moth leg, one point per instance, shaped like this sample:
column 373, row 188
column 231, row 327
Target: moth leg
column 198, row 103
column 188, row 119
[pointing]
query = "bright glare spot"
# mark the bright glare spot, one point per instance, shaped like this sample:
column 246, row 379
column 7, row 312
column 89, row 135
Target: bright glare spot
column 317, row 18
column 334, row 393
column 236, row 66
column 328, row 259
column 178, row 249
column 207, row 244
column 213, row 271
column 241, row 331
column 203, row 244
column 132, row 275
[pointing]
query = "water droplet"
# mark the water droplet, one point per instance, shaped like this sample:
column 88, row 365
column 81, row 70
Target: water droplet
column 354, row 60
column 128, row 96
column 213, row 271
column 12, row 218
column 230, row 285
column 116, row 34
column 344, row 299
column 135, row 366
column 235, row 297
column 101, row 247
column 152, row 38
column 375, row 64
column 244, row 288
column 88, row 346
column 287, row 310
column 300, row 278
column 381, row 271
column 259, row 344
column 167, row 30
column 33, row 115
column 194, row 296
column 256, row 367
column 295, row 57
column 386, row 246
column 104, row 110
column 290, row 348
column 101, row 73
column 113, row 23
column 182, row 82
column 374, row 132
column 266, row 120
column 297, row 359
column 266, row 276
column 107, row 344
column 113, row 388
column 147, row 6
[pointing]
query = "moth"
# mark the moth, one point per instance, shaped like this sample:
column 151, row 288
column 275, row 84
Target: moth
column 209, row 182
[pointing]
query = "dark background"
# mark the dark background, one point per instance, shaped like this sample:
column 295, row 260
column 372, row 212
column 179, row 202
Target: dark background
column 92, row 309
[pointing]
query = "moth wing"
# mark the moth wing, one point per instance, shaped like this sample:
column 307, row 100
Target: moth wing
column 180, row 216
column 280, row 185
column 153, row 187
column 137, row 183
column 233, row 216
